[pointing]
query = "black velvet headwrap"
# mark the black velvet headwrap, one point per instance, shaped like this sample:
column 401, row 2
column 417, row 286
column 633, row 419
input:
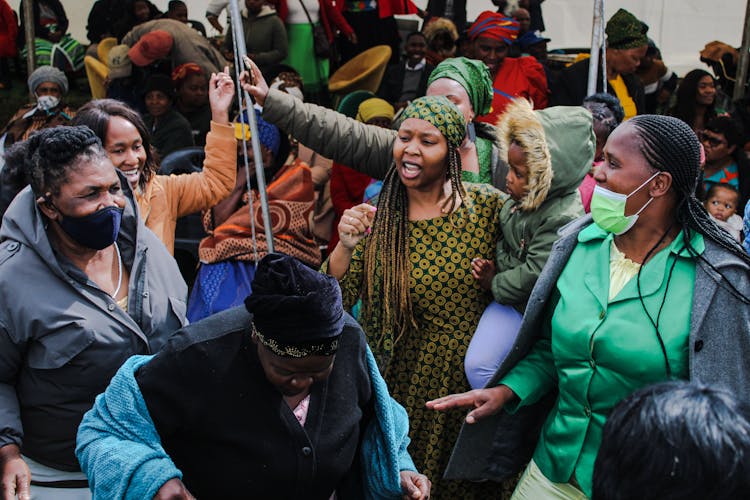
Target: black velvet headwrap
column 297, row 311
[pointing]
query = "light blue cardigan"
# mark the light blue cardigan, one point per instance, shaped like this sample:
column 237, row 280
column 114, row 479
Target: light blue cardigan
column 121, row 453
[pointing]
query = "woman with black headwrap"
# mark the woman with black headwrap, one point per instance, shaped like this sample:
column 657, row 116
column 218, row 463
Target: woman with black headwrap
column 279, row 398
column 653, row 290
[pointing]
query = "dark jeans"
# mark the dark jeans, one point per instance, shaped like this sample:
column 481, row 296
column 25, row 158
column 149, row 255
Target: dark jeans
column 371, row 31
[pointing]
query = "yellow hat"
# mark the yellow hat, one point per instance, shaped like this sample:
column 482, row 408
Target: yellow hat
column 374, row 108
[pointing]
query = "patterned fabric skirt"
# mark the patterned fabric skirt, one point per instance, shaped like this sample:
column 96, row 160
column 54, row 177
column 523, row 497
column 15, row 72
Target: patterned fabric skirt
column 219, row 286
column 314, row 71
column 65, row 55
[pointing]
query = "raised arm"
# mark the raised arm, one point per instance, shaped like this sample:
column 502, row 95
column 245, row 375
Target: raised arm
column 202, row 190
column 365, row 148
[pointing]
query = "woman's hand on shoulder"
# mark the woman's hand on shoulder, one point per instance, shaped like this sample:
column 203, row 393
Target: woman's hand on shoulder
column 173, row 489
column 414, row 485
column 355, row 224
column 16, row 476
column 220, row 95
column 486, row 402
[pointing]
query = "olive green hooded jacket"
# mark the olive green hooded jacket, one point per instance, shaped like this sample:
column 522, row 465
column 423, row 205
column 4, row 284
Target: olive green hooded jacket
column 559, row 144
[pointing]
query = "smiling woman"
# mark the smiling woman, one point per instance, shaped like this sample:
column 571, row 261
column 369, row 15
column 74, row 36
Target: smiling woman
column 163, row 199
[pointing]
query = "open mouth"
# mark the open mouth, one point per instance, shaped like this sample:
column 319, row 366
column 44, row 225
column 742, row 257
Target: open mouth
column 131, row 175
column 410, row 170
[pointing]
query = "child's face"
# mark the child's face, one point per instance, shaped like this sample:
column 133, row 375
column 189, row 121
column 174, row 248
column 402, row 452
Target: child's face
column 722, row 204
column 517, row 180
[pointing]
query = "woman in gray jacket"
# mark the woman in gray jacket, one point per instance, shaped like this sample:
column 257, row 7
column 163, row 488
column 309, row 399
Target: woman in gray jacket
column 85, row 286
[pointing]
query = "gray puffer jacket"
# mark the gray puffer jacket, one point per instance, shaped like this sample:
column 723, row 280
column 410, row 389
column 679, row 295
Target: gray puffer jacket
column 62, row 337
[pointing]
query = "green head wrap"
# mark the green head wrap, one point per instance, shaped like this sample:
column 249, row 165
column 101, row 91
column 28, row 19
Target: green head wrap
column 442, row 113
column 473, row 76
column 625, row 31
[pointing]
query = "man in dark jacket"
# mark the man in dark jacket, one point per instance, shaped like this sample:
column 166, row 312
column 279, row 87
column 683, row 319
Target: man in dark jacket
column 407, row 80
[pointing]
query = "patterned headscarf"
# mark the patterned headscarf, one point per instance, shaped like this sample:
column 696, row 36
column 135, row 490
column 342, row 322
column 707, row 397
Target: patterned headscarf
column 183, row 71
column 625, row 31
column 440, row 112
column 474, row 77
column 268, row 134
column 496, row 26
column 374, row 108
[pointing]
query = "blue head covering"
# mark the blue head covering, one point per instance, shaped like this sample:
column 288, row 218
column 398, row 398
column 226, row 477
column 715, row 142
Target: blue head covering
column 269, row 135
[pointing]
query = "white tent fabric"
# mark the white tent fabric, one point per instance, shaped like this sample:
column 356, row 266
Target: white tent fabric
column 680, row 27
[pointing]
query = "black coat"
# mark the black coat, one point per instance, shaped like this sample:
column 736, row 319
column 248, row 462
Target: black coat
column 231, row 433
column 393, row 81
column 436, row 8
column 569, row 88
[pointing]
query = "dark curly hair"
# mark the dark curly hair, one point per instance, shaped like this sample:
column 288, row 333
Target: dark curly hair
column 49, row 154
column 96, row 115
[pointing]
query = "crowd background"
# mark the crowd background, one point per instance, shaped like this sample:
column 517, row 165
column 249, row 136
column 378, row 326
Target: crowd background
column 476, row 150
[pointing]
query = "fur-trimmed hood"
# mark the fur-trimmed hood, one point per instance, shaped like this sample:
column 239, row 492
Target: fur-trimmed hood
column 559, row 143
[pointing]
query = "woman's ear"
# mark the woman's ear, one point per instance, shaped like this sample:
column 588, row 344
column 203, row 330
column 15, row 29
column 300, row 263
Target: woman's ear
column 47, row 208
column 661, row 185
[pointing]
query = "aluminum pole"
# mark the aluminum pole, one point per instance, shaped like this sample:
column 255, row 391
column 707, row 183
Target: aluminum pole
column 240, row 53
column 597, row 43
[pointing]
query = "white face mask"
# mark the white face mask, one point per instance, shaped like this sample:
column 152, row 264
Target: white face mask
column 47, row 102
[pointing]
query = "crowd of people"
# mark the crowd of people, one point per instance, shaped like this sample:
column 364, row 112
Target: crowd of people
column 478, row 281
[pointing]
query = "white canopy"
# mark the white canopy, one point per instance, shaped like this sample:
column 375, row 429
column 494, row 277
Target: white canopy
column 680, row 28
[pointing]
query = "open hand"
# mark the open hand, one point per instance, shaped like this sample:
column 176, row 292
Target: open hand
column 483, row 270
column 486, row 402
column 253, row 82
column 220, row 95
column 173, row 490
column 355, row 224
column 414, row 485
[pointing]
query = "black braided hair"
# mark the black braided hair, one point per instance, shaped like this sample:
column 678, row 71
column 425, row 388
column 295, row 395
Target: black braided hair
column 50, row 154
column 669, row 145
column 97, row 114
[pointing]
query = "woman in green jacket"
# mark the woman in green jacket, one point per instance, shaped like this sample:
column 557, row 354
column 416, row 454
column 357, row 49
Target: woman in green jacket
column 608, row 314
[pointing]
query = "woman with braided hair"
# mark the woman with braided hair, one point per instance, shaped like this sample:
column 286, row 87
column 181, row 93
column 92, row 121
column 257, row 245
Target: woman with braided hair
column 90, row 286
column 420, row 303
column 652, row 290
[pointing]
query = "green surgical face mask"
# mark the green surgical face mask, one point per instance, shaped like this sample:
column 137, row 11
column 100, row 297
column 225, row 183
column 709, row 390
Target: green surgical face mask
column 608, row 209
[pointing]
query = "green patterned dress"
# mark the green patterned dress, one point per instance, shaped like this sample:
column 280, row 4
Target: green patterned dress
column 429, row 362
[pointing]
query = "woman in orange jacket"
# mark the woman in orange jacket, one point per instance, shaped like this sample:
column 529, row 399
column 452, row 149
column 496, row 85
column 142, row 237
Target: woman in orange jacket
column 162, row 199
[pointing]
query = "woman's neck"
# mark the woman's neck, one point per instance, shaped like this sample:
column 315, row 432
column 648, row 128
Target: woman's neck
column 699, row 123
column 428, row 204
column 637, row 243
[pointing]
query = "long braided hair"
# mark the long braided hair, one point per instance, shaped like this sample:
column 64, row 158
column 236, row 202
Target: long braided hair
column 386, row 252
column 669, row 145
